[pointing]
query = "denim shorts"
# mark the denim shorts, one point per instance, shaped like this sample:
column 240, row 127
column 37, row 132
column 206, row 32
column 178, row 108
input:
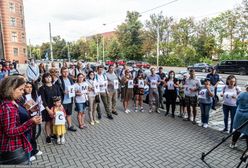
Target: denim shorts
column 80, row 107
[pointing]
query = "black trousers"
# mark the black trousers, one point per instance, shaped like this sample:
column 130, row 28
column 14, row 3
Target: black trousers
column 171, row 97
column 33, row 142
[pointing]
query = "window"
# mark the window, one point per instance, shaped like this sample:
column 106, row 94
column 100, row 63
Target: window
column 12, row 7
column 14, row 37
column 15, row 51
column 22, row 23
column 24, row 51
column 23, row 37
column 12, row 21
column 21, row 11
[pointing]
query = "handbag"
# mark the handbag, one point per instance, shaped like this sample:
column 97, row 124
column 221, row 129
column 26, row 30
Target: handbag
column 13, row 157
column 97, row 99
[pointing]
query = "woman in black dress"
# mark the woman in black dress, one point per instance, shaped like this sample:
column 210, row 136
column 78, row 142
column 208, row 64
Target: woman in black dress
column 47, row 92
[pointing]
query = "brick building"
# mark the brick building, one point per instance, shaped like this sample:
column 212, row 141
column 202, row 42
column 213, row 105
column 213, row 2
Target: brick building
column 13, row 35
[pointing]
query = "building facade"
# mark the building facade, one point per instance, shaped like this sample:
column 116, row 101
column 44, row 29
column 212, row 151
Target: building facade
column 13, row 30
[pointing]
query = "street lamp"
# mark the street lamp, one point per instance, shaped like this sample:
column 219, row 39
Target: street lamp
column 103, row 54
column 158, row 41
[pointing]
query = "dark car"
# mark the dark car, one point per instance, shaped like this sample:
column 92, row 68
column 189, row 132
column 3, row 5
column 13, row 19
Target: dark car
column 200, row 67
column 233, row 66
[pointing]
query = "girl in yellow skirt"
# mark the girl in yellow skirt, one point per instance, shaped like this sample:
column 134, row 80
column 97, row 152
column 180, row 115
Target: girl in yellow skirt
column 59, row 120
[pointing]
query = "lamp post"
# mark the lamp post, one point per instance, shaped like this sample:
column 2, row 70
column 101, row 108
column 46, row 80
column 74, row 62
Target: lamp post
column 158, row 41
column 103, row 52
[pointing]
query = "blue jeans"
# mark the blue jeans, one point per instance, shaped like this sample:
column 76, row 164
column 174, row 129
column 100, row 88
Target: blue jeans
column 226, row 110
column 205, row 108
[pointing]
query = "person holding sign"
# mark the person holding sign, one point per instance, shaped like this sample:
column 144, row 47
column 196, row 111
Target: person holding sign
column 153, row 81
column 127, row 82
column 205, row 100
column 93, row 97
column 102, row 80
column 191, row 88
column 66, row 84
column 139, row 84
column 161, row 86
column 113, row 85
column 230, row 93
column 81, row 98
column 59, row 120
column 171, row 85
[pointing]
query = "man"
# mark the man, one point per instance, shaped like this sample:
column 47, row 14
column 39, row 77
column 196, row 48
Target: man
column 112, row 90
column 87, row 69
column 33, row 73
column 191, row 89
column 153, row 81
column 160, row 86
column 101, row 78
column 78, row 69
column 66, row 82
column 214, row 80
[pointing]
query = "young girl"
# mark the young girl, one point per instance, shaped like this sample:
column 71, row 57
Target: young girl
column 128, row 92
column 58, row 120
column 93, row 103
column 139, row 91
column 205, row 100
column 81, row 88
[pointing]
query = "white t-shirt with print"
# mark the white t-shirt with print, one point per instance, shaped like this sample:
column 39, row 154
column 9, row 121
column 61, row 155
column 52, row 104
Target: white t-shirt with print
column 228, row 94
column 83, row 88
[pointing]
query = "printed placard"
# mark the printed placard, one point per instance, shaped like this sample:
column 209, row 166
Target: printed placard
column 84, row 89
column 153, row 84
column 170, row 85
column 130, row 84
column 96, row 87
column 228, row 97
column 141, row 83
column 71, row 90
column 203, row 94
column 186, row 90
column 103, row 86
column 116, row 84
column 59, row 118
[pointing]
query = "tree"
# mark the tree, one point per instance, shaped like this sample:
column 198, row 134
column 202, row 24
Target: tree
column 129, row 37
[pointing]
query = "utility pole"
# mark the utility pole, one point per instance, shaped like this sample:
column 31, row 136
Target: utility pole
column 30, row 49
column 51, row 45
column 68, row 52
column 97, row 48
column 103, row 54
column 158, row 41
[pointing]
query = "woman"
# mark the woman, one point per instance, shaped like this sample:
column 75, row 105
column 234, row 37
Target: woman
column 14, row 145
column 241, row 117
column 93, row 101
column 3, row 74
column 81, row 89
column 30, row 94
column 230, row 93
column 171, row 91
column 47, row 92
column 139, row 91
column 205, row 100
column 42, row 69
column 127, row 91
column 54, row 74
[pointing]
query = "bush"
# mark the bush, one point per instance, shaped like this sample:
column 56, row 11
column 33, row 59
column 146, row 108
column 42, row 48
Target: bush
column 206, row 60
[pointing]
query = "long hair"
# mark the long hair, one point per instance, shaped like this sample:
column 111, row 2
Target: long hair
column 34, row 91
column 230, row 77
column 79, row 75
column 9, row 85
column 88, row 75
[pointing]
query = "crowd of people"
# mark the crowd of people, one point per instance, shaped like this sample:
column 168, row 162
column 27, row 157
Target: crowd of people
column 50, row 95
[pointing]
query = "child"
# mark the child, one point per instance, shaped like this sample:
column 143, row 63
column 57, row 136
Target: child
column 81, row 98
column 139, row 91
column 205, row 100
column 59, row 120
column 181, row 96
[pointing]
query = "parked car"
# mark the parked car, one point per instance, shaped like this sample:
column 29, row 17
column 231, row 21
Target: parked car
column 233, row 66
column 131, row 63
column 140, row 64
column 200, row 67
column 109, row 62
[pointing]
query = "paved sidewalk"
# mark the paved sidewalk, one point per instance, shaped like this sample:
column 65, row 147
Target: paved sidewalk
column 139, row 140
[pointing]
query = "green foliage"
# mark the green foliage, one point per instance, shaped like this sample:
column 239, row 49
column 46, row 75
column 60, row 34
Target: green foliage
column 206, row 60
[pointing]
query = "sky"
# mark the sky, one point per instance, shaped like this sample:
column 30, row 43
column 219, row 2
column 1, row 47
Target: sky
column 74, row 19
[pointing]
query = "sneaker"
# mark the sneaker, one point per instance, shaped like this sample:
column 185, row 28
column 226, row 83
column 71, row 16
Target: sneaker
column 39, row 153
column 32, row 158
column 92, row 123
column 71, row 128
column 59, row 141
column 150, row 111
column 224, row 130
column 232, row 146
column 48, row 140
column 205, row 125
column 141, row 109
column 157, row 111
column 126, row 111
column 63, row 140
column 186, row 119
column 97, row 122
column 200, row 124
column 194, row 122
column 110, row 117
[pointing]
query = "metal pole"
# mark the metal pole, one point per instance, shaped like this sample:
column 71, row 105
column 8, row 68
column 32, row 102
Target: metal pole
column 158, row 45
column 68, row 52
column 30, row 49
column 103, row 54
column 97, row 49
column 51, row 45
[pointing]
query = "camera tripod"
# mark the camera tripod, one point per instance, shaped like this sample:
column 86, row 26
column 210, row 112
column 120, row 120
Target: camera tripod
column 244, row 156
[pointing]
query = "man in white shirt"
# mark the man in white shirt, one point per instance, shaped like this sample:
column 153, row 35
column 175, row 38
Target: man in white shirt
column 33, row 73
